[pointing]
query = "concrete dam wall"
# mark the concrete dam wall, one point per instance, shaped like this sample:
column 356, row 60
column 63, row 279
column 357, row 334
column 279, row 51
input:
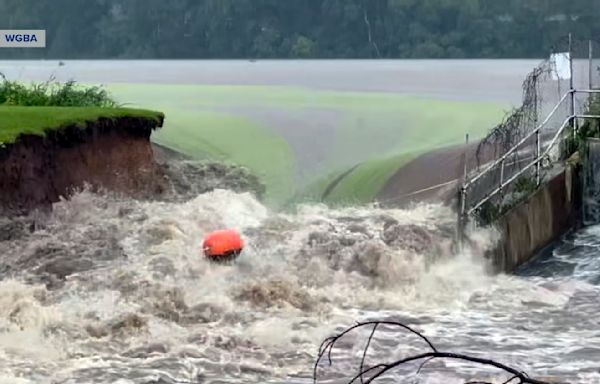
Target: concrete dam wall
column 550, row 212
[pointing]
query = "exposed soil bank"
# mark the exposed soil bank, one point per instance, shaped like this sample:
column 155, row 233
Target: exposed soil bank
column 111, row 153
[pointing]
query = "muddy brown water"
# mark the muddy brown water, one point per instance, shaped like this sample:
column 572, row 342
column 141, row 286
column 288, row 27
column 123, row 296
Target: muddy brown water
column 111, row 290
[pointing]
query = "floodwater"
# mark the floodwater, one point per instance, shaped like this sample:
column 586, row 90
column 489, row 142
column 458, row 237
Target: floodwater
column 109, row 290
column 113, row 290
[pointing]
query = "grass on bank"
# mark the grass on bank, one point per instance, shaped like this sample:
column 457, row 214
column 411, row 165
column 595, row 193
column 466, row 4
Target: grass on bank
column 53, row 93
column 18, row 120
column 50, row 105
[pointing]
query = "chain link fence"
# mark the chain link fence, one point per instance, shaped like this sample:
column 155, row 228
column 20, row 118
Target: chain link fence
column 500, row 170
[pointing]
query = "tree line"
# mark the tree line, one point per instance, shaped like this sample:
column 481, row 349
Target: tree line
column 91, row 29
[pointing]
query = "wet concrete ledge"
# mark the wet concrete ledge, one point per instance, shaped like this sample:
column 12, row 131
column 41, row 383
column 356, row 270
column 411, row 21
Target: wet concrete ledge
column 534, row 224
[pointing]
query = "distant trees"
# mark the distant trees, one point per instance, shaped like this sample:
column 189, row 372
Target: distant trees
column 298, row 28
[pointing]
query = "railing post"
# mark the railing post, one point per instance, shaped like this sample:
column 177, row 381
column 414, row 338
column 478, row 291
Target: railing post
column 466, row 155
column 463, row 205
column 537, row 157
column 574, row 122
column 591, row 64
column 462, row 216
column 501, row 175
column 571, row 87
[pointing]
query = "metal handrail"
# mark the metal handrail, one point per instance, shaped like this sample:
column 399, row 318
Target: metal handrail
column 469, row 182
column 487, row 169
column 531, row 164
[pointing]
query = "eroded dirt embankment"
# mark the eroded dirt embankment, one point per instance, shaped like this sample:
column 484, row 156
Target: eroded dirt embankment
column 114, row 154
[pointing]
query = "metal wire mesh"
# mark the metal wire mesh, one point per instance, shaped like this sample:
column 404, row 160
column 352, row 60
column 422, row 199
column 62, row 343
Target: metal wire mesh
column 533, row 127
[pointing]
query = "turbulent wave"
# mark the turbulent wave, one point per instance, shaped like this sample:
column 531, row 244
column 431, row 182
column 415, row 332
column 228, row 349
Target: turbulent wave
column 106, row 289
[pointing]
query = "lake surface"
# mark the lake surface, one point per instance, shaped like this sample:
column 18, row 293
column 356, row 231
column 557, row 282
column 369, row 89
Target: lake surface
column 493, row 80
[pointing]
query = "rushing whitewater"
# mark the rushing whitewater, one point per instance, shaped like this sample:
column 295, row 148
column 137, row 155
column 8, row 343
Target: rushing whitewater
column 111, row 290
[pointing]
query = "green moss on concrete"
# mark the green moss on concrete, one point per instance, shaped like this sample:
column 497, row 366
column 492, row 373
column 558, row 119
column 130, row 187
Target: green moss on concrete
column 233, row 139
column 17, row 120
column 364, row 183
column 317, row 190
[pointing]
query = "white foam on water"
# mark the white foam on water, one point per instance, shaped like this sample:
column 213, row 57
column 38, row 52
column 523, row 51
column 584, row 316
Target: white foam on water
column 154, row 306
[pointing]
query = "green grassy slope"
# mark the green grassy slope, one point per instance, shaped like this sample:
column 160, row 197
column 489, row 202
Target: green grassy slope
column 16, row 120
column 210, row 135
column 365, row 181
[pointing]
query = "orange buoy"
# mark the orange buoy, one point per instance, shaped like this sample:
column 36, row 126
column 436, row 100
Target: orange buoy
column 223, row 246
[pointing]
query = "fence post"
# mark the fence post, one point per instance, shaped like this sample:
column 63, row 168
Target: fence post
column 462, row 203
column 535, row 105
column 537, row 156
column 462, row 217
column 571, row 86
column 466, row 157
column 591, row 64
column 501, row 175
